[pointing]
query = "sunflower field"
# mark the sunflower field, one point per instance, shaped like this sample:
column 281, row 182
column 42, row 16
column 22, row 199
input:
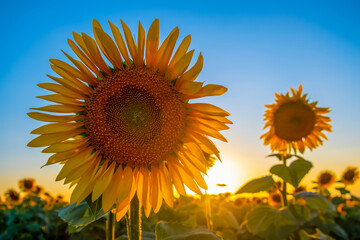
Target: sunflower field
column 330, row 211
column 128, row 126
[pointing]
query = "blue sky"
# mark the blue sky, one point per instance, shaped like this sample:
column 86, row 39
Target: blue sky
column 254, row 48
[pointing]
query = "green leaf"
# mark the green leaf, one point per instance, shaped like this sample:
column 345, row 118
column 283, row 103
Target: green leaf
column 316, row 201
column 172, row 231
column 257, row 185
column 342, row 190
column 316, row 236
column 294, row 173
column 300, row 213
column 80, row 215
column 270, row 223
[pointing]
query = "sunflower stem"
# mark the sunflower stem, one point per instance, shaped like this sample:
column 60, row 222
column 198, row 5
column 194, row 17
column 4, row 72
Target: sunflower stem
column 110, row 226
column 283, row 192
column 133, row 220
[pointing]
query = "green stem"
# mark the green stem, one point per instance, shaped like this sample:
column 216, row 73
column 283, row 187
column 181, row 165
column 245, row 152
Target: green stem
column 110, row 226
column 133, row 220
column 283, row 192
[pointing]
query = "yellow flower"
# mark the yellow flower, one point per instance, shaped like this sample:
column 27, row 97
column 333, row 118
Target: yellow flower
column 350, row 175
column 275, row 199
column 27, row 184
column 12, row 197
column 130, row 128
column 326, row 179
column 295, row 123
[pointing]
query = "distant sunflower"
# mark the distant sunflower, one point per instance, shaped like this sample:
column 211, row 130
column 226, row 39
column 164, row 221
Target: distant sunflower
column 326, row 179
column 350, row 175
column 275, row 199
column 295, row 123
column 27, row 184
column 130, row 128
column 12, row 197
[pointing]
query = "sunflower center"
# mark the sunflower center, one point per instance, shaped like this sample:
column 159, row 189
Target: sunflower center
column 135, row 117
column 294, row 121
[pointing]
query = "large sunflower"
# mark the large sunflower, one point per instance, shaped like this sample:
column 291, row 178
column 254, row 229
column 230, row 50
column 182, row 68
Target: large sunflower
column 129, row 127
column 295, row 123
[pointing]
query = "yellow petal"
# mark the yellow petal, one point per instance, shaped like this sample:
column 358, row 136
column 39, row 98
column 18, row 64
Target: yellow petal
column 216, row 125
column 109, row 48
column 66, row 146
column 82, row 188
column 65, row 74
column 208, row 109
column 192, row 74
column 58, row 98
column 189, row 88
column 166, row 185
column 69, row 85
column 111, row 192
column 59, row 157
column 53, row 118
column 130, row 42
column 175, row 175
column 48, row 139
column 87, row 76
column 141, row 44
column 65, row 108
column 103, row 182
column 155, row 187
column 57, row 127
column 181, row 66
column 207, row 142
column 152, row 42
column 80, row 160
column 193, row 171
column 84, row 58
column 180, row 52
column 95, row 53
column 120, row 214
column 199, row 128
column 195, row 161
column 120, row 43
column 209, row 90
column 96, row 25
column 61, row 90
column 127, row 183
column 73, row 72
column 165, row 51
column 211, row 117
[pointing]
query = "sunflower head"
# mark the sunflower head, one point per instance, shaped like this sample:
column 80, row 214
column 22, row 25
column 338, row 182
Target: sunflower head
column 301, row 188
column 350, row 175
column 326, row 179
column 295, row 123
column 27, row 184
column 123, row 117
column 12, row 197
column 275, row 199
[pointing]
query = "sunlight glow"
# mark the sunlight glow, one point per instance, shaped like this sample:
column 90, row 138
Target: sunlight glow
column 228, row 172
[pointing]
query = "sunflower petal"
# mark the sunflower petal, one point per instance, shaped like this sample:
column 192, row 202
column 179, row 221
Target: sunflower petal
column 181, row 66
column 120, row 43
column 130, row 42
column 53, row 118
column 152, row 42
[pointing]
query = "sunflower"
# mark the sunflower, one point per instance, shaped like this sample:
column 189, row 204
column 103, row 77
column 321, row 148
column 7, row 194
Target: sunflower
column 275, row 199
column 12, row 197
column 326, row 179
column 27, row 184
column 350, row 175
column 295, row 123
column 129, row 128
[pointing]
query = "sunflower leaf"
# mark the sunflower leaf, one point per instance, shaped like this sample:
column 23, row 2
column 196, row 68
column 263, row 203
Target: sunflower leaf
column 270, row 223
column 80, row 215
column 257, row 185
column 172, row 231
column 294, row 173
column 315, row 201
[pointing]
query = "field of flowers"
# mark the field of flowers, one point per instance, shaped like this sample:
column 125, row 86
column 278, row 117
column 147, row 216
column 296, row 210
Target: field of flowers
column 329, row 212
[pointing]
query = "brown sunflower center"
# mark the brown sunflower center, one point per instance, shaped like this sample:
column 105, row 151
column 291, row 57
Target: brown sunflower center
column 325, row 178
column 293, row 121
column 135, row 117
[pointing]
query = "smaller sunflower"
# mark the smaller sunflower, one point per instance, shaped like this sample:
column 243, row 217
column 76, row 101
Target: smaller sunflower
column 27, row 185
column 295, row 123
column 12, row 197
column 275, row 199
column 301, row 188
column 326, row 179
column 350, row 175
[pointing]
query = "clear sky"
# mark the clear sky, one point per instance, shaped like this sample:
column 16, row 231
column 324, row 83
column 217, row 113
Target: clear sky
column 254, row 48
